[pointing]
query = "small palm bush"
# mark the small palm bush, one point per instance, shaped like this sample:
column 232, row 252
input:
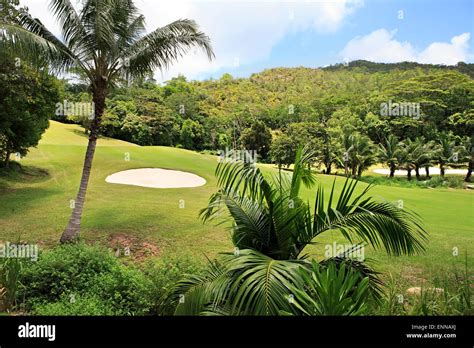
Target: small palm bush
column 332, row 290
column 271, row 225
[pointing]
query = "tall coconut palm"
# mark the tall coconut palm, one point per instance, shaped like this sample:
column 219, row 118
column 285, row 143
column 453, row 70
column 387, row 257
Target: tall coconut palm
column 388, row 152
column 271, row 225
column 106, row 42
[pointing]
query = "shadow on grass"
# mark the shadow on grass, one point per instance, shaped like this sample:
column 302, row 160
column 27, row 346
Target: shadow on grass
column 16, row 173
column 81, row 133
column 85, row 135
column 19, row 200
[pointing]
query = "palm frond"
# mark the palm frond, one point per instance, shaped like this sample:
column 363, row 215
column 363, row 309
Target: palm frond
column 165, row 46
column 72, row 29
column 380, row 224
column 36, row 43
column 345, row 258
column 331, row 290
column 302, row 173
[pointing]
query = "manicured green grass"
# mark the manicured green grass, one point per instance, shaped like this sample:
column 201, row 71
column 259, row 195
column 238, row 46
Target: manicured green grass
column 35, row 204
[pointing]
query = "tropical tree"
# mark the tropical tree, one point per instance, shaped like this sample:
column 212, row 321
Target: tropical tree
column 445, row 151
column 27, row 98
column 257, row 138
column 105, row 41
column 429, row 150
column 357, row 155
column 405, row 157
column 421, row 155
column 271, row 227
column 283, row 150
column 468, row 146
column 363, row 155
column 388, row 152
column 344, row 155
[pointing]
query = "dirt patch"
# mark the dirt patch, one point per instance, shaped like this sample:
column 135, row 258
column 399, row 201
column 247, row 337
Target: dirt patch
column 137, row 249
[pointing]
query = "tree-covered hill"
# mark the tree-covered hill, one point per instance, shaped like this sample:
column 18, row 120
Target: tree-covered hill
column 372, row 67
column 294, row 106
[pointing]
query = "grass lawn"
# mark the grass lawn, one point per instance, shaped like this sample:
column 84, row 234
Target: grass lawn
column 35, row 204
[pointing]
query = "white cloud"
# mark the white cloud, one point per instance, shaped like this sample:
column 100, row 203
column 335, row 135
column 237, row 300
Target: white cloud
column 447, row 53
column 381, row 46
column 240, row 31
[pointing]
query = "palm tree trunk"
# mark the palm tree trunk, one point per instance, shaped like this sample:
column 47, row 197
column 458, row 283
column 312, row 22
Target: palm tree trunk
column 469, row 171
column 417, row 172
column 409, row 173
column 354, row 170
column 328, row 168
column 71, row 233
column 441, row 169
column 427, row 171
column 7, row 158
column 392, row 170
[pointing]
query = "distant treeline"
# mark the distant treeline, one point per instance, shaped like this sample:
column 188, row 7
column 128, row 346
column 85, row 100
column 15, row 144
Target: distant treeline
column 279, row 108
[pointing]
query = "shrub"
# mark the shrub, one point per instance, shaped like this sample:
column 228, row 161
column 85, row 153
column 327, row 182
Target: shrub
column 85, row 272
column 80, row 306
column 10, row 270
column 164, row 275
column 89, row 280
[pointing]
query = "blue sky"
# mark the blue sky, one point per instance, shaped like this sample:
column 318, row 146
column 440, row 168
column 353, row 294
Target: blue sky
column 421, row 23
column 250, row 36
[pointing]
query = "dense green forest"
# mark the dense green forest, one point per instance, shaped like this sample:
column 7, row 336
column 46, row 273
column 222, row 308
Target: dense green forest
column 337, row 110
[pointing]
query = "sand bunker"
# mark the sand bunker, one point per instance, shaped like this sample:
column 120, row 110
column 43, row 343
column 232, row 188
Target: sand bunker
column 433, row 171
column 156, row 178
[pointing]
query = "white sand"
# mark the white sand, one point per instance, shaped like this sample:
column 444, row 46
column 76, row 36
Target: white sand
column 433, row 171
column 156, row 178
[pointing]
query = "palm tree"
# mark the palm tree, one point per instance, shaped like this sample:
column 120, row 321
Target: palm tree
column 345, row 153
column 430, row 151
column 388, row 153
column 468, row 146
column 444, row 151
column 105, row 41
column 271, row 227
column 421, row 155
column 357, row 154
column 363, row 154
column 405, row 156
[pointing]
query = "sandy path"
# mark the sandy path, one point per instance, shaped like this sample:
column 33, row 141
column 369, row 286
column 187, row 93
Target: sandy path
column 156, row 178
column 433, row 171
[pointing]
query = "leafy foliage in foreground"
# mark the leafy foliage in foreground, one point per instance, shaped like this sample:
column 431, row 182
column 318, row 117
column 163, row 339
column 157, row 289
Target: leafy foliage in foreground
column 75, row 272
column 332, row 290
column 272, row 225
